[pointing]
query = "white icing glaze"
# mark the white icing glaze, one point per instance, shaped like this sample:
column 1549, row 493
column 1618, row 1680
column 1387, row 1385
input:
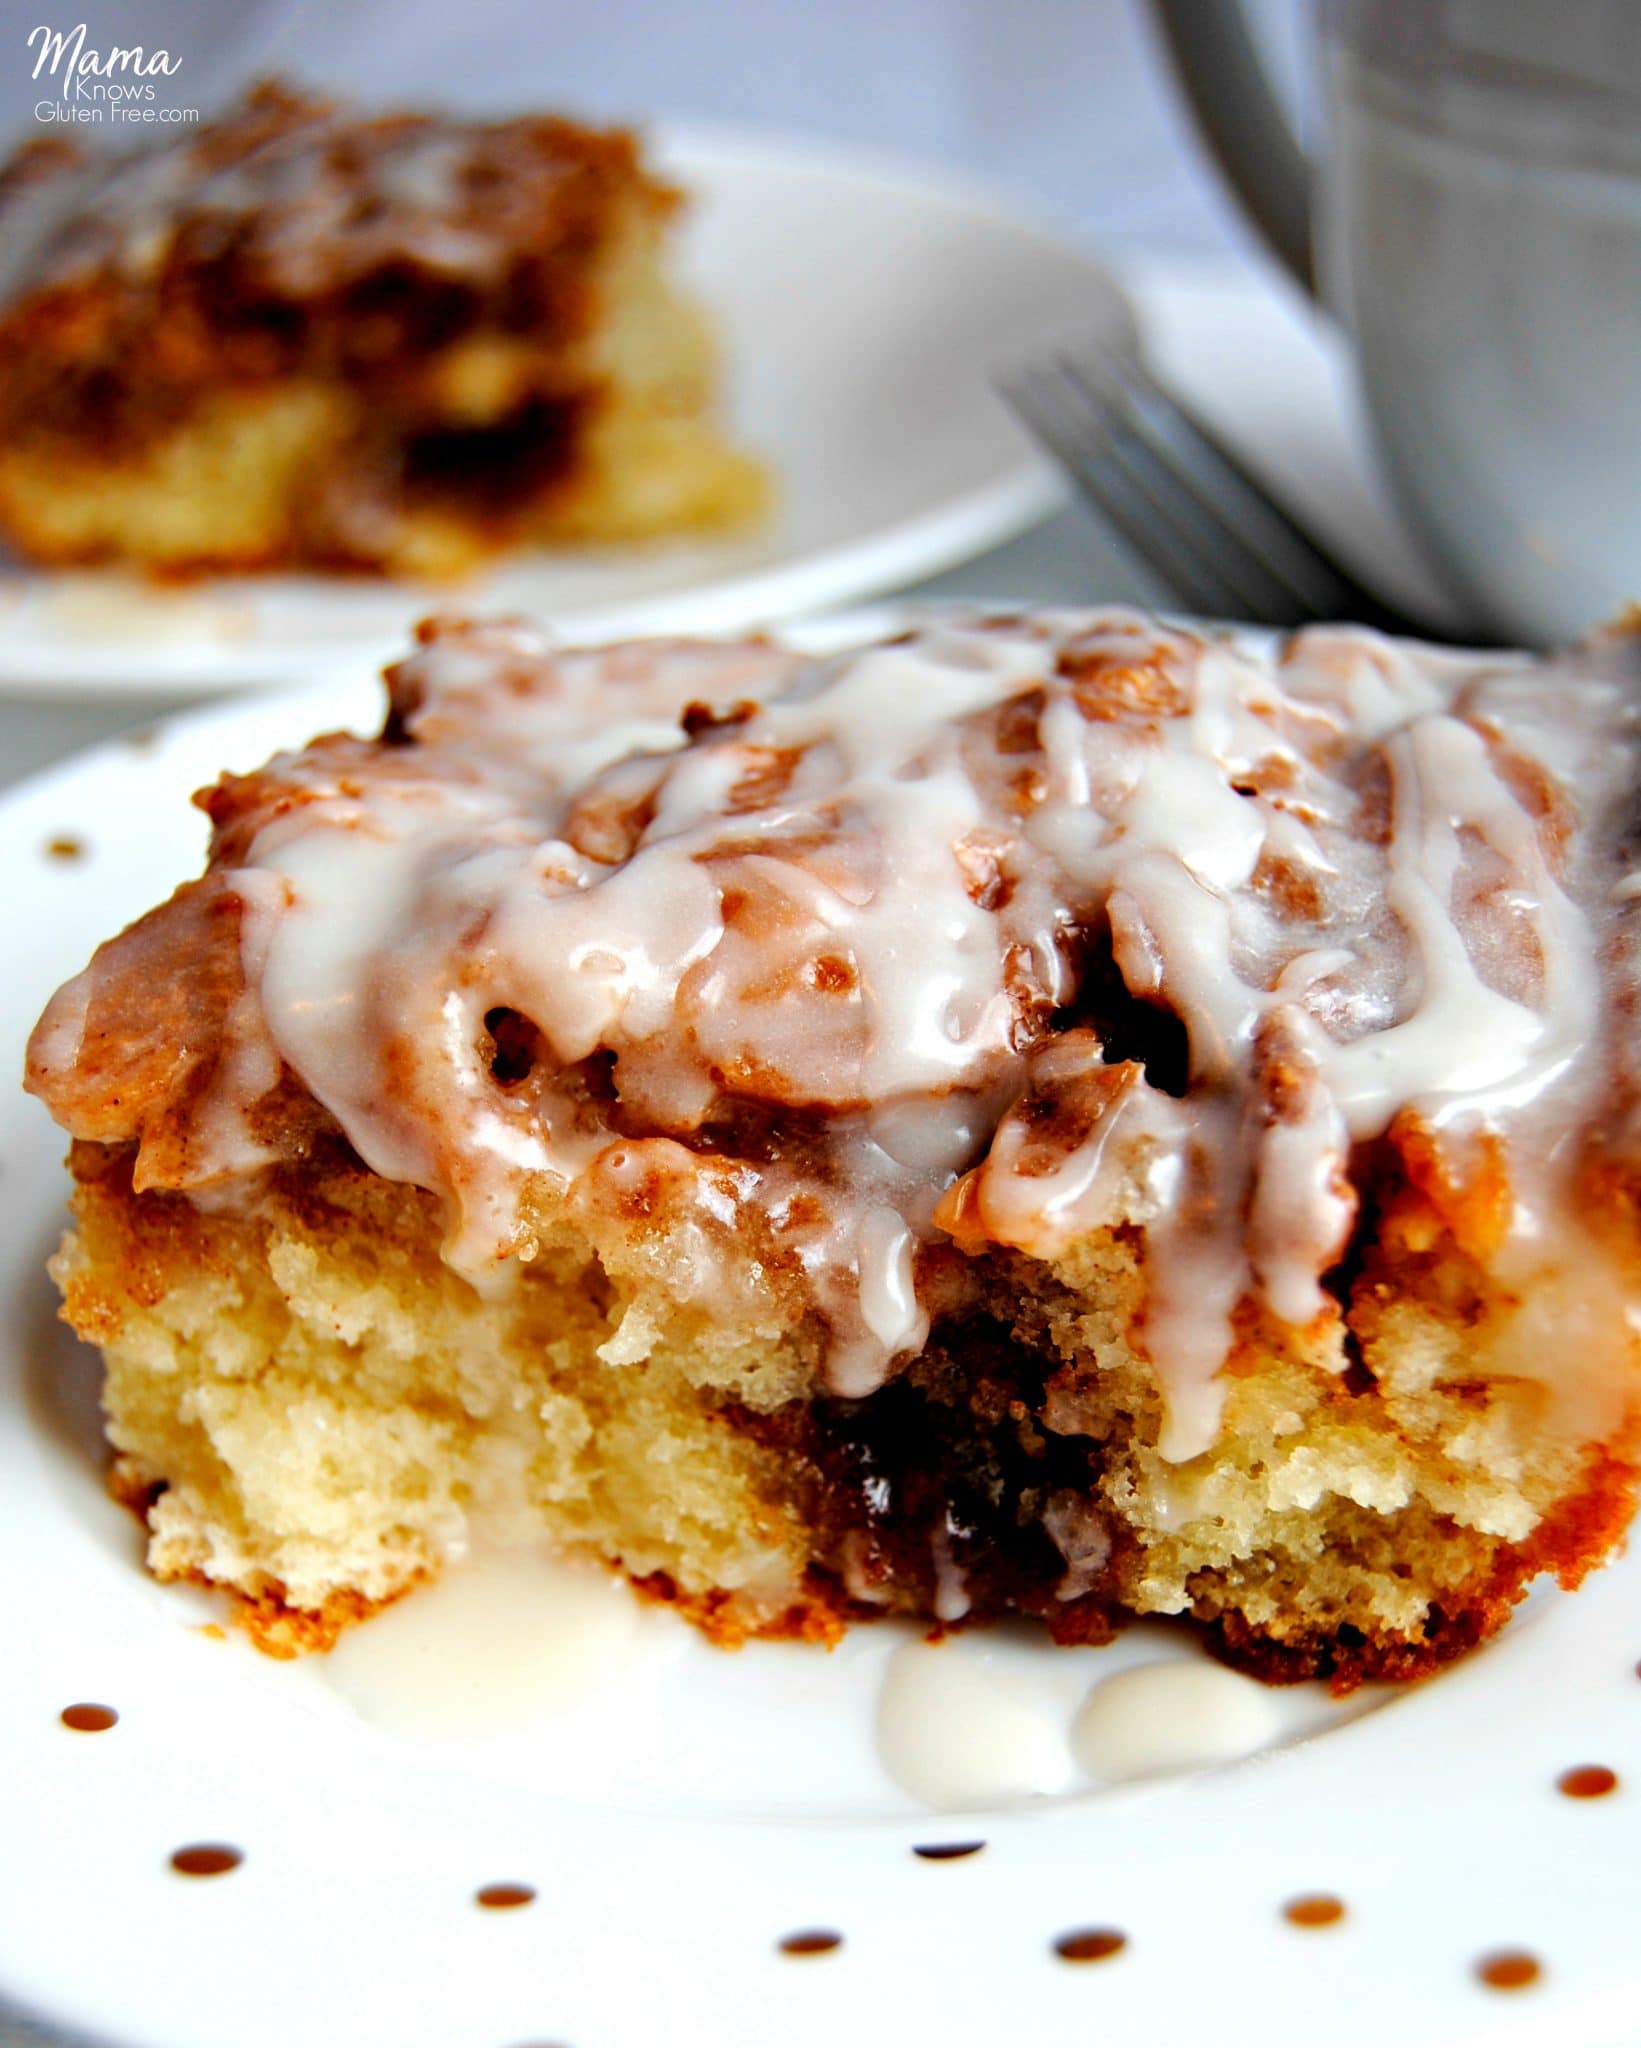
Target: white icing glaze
column 955, row 1731
column 832, row 915
column 500, row 1640
column 1153, row 1719
column 1467, row 1043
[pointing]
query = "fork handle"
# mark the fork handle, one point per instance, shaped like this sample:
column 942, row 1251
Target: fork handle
column 1245, row 125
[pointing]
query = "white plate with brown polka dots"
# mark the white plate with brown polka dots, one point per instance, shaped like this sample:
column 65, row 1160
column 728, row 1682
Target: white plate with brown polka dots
column 432, row 1840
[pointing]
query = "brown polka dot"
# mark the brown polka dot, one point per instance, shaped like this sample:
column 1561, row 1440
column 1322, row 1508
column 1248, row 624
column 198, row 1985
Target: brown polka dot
column 85, row 1718
column 1509, row 1969
column 206, row 1859
column 1089, row 1944
column 503, row 1898
column 946, row 1852
column 1587, row 1781
column 810, row 1941
column 1314, row 1909
column 65, row 847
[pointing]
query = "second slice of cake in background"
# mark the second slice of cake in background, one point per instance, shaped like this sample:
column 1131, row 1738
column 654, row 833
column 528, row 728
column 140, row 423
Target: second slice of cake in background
column 306, row 337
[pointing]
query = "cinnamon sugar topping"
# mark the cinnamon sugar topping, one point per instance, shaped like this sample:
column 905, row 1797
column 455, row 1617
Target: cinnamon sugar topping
column 293, row 196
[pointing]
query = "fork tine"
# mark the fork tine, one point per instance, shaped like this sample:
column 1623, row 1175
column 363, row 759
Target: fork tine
column 1267, row 530
column 1177, row 498
column 1076, row 435
column 1303, row 561
column 1184, row 501
column 1080, row 435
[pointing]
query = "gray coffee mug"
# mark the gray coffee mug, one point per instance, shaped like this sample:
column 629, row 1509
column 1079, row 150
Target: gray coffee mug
column 1475, row 223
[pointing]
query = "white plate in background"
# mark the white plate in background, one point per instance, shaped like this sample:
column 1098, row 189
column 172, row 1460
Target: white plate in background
column 678, row 1825
column 864, row 308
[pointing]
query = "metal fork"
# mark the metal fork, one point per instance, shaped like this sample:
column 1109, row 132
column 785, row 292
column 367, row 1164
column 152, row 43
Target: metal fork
column 1189, row 509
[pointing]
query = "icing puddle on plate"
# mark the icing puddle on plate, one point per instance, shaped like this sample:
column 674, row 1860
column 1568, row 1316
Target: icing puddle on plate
column 104, row 607
column 493, row 1643
column 549, row 1669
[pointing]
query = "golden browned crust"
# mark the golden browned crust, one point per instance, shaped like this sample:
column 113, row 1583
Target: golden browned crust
column 820, row 1615
column 273, row 1621
column 1576, row 1536
column 280, row 1630
column 1585, row 1534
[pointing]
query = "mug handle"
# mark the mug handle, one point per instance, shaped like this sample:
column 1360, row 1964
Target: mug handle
column 1245, row 125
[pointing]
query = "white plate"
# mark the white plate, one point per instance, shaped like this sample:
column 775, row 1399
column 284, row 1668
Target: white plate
column 865, row 307
column 680, row 1821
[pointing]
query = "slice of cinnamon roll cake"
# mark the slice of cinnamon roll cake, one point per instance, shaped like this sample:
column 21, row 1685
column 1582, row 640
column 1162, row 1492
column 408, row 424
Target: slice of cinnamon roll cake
column 1049, row 1115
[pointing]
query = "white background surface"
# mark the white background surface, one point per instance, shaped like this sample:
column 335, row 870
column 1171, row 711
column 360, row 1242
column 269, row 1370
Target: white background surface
column 1061, row 104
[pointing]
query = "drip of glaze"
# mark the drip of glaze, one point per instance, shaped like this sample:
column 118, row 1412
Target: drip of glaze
column 497, row 1642
column 100, row 608
column 955, row 1732
column 1154, row 1719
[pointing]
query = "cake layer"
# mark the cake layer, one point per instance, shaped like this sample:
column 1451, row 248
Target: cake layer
column 1052, row 1114
column 315, row 1413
